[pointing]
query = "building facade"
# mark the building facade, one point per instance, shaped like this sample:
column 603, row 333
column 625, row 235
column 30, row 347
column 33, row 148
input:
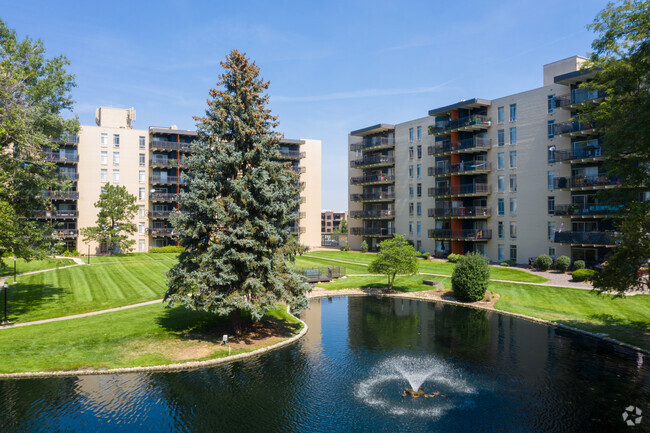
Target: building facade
column 330, row 221
column 510, row 178
column 150, row 163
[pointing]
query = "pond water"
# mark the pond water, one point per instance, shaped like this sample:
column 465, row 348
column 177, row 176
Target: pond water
column 496, row 373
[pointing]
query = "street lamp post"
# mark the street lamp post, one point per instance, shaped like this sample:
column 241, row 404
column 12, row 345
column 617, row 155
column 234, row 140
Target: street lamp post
column 88, row 253
column 14, row 269
column 5, row 286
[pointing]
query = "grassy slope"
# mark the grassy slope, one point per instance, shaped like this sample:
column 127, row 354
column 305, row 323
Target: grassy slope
column 23, row 266
column 142, row 336
column 307, row 261
column 135, row 257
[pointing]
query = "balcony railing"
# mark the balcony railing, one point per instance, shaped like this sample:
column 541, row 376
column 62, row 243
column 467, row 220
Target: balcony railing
column 586, row 209
column 168, row 180
column 66, row 139
column 160, row 214
column 65, row 233
column 458, row 168
column 580, row 153
column 372, row 178
column 475, row 121
column 369, row 142
column 56, row 157
column 61, row 195
column 163, row 196
column 372, row 160
column 164, row 231
column 385, row 213
column 602, row 180
column 292, row 154
column 457, row 190
column 362, row 231
column 57, row 214
column 299, row 170
column 469, row 234
column 577, row 96
column 69, row 176
column 586, row 238
column 170, row 145
column 460, row 212
column 478, row 143
column 373, row 196
column 571, row 127
column 166, row 162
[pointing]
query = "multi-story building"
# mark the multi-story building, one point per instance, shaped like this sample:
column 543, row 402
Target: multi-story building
column 511, row 178
column 330, row 221
column 151, row 163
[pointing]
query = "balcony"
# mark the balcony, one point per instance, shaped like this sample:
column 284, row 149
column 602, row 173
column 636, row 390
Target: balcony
column 65, row 159
column 69, row 176
column 572, row 128
column 299, row 170
column 465, row 235
column 65, row 233
column 584, row 183
column 586, row 238
column 57, row 214
column 291, row 154
column 465, row 167
column 373, row 161
column 68, row 139
column 160, row 214
column 471, row 123
column 161, row 232
column 375, row 232
column 461, row 190
column 578, row 97
column 373, row 143
column 170, row 145
column 467, row 145
column 297, row 229
column 163, row 196
column 373, row 214
column 61, row 195
column 461, row 212
column 591, row 151
column 372, row 179
column 382, row 196
column 168, row 180
column 586, row 210
column 168, row 163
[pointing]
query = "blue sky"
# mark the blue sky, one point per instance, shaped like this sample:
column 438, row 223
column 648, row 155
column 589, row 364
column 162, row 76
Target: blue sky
column 334, row 66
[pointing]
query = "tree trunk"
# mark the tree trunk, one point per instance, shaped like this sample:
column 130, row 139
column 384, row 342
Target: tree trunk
column 235, row 321
column 391, row 279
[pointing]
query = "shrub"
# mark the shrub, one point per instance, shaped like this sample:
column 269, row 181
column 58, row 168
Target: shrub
column 578, row 264
column 71, row 253
column 426, row 256
column 167, row 249
column 544, row 262
column 344, row 248
column 583, row 275
column 504, row 264
column 470, row 278
column 563, row 263
column 454, row 258
column 509, row 263
column 364, row 247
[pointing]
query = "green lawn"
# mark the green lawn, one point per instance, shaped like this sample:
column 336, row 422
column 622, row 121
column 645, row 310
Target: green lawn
column 306, row 261
column 143, row 336
column 23, row 266
column 135, row 257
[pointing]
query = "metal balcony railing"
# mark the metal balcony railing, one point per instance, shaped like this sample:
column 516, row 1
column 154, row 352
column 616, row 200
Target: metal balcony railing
column 372, row 160
column 586, row 209
column 460, row 212
column 168, row 180
column 373, row 196
column 571, row 127
column 479, row 143
column 381, row 231
column 66, row 139
column 170, row 145
column 586, row 238
column 372, row 178
column 57, row 214
column 163, row 231
column 469, row 234
column 65, row 233
column 470, row 122
column 479, row 188
column 299, row 170
column 292, row 154
column 385, row 213
column 166, row 162
column 61, row 195
column 577, row 96
column 458, row 168
column 585, row 181
column 369, row 142
column 163, row 196
column 160, row 214
column 69, row 176
column 56, row 157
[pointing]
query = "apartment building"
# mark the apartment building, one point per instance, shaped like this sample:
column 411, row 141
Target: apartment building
column 151, row 164
column 330, row 221
column 510, row 178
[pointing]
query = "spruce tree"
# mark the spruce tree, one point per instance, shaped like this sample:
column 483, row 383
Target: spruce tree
column 238, row 207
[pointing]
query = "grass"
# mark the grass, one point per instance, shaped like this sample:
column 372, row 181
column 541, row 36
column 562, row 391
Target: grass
column 143, row 336
column 135, row 257
column 307, row 261
column 23, row 266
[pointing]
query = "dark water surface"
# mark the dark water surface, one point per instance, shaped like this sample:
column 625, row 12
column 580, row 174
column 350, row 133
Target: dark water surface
column 499, row 374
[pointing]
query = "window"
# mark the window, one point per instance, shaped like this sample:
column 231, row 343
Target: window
column 513, row 183
column 411, row 209
column 500, row 229
column 419, row 190
column 501, row 207
column 411, row 191
column 141, row 176
column 141, row 246
column 551, row 252
column 513, row 207
column 551, row 231
column 500, row 116
column 140, row 228
column 500, row 161
column 513, row 252
column 116, row 158
column 513, row 112
column 141, row 156
column 500, row 253
column 419, row 245
column 419, row 151
column 141, row 142
column 103, row 177
column 141, row 193
column 551, row 205
column 513, row 230
column 419, row 209
column 419, row 133
column 411, row 171
column 551, row 179
column 411, row 228
column 550, row 129
column 116, row 140
column 411, row 135
column 513, row 159
column 551, row 154
column 551, row 103
column 501, row 137
column 419, row 171
column 104, row 157
column 500, row 184
column 513, row 135
column 410, row 152
column 141, row 211
column 116, row 175
column 419, row 225
column 104, row 139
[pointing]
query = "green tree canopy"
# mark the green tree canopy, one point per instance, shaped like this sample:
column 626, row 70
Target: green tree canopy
column 117, row 210
column 395, row 256
column 238, row 207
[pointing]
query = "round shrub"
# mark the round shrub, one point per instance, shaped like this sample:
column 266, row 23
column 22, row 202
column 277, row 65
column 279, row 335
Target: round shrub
column 470, row 278
column 583, row 275
column 504, row 264
column 544, row 262
column 578, row 264
column 454, row 258
column 364, row 247
column 344, row 248
column 563, row 263
column 426, row 256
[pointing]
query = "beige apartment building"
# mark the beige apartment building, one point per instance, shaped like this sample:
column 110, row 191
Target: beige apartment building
column 150, row 164
column 511, row 178
column 330, row 221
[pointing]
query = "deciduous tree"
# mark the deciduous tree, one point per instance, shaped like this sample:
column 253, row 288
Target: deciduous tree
column 395, row 256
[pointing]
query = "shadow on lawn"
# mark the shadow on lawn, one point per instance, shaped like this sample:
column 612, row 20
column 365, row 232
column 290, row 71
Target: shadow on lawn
column 24, row 298
column 635, row 332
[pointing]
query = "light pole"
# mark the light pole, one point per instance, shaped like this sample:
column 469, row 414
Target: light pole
column 14, row 269
column 5, row 286
column 88, row 253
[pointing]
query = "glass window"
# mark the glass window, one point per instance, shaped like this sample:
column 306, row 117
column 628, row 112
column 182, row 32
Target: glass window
column 500, row 184
column 500, row 229
column 103, row 177
column 419, row 209
column 141, row 156
column 116, row 140
column 551, row 230
column 501, row 137
column 104, row 157
column 419, row 171
column 116, row 158
column 500, row 161
column 141, row 211
column 419, row 245
column 513, row 206
column 411, row 191
column 141, row 246
column 551, row 154
column 419, row 151
column 419, row 190
column 550, row 126
column 551, row 179
column 551, row 103
column 411, row 209
column 116, row 175
column 550, row 204
column 513, row 135
column 411, row 228
column 140, row 228
column 411, row 171
column 419, row 225
column 419, row 133
column 500, row 253
column 513, row 183
column 411, row 134
column 551, row 252
column 513, row 229
column 141, row 176
column 513, row 159
column 141, row 194
column 410, row 152
column 501, row 207
column 104, row 139
column 513, row 112
column 141, row 142
column 513, row 252
column 500, row 116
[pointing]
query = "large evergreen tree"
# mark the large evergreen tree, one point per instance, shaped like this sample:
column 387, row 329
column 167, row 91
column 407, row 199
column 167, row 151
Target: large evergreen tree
column 621, row 62
column 239, row 204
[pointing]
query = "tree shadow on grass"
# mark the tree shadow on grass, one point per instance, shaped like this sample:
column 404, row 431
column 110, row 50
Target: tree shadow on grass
column 25, row 298
column 635, row 332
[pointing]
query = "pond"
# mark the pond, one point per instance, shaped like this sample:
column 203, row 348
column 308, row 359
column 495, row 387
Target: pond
column 487, row 372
